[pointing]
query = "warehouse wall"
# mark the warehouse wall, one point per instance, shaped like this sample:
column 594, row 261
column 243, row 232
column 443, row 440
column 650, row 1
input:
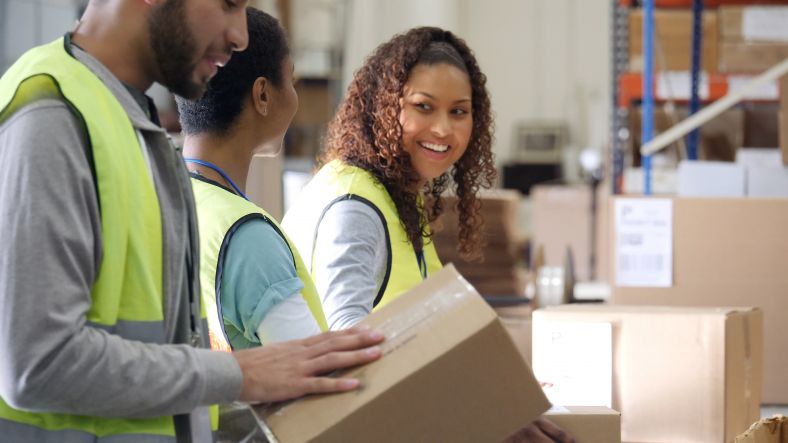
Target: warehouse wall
column 27, row 23
column 543, row 59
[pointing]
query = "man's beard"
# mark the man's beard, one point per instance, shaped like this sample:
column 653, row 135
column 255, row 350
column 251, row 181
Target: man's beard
column 173, row 49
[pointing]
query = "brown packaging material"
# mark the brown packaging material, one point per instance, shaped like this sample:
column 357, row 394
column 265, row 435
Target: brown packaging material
column 750, row 57
column 517, row 321
column 768, row 430
column 732, row 252
column 679, row 374
column 588, row 424
column 719, row 138
column 449, row 372
column 731, row 19
column 673, row 33
column 502, row 272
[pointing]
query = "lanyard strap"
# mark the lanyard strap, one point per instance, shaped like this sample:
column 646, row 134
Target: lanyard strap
column 422, row 264
column 219, row 171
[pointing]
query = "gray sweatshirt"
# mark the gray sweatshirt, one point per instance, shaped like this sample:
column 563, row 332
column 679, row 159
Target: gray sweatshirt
column 50, row 232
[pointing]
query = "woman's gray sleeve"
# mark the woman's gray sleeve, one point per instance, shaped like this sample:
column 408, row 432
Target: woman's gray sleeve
column 350, row 261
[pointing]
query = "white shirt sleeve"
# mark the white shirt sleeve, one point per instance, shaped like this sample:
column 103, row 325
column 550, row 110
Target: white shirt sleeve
column 350, row 262
column 290, row 319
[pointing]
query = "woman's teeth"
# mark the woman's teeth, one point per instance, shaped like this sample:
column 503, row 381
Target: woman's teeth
column 434, row 147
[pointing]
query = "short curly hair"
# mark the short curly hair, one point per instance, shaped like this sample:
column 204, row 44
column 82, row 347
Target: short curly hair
column 366, row 133
column 218, row 109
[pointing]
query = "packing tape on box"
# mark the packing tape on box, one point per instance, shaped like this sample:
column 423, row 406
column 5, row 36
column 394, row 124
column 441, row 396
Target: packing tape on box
column 402, row 328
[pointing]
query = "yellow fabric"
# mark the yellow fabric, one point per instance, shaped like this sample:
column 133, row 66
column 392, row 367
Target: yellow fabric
column 217, row 212
column 336, row 180
column 129, row 284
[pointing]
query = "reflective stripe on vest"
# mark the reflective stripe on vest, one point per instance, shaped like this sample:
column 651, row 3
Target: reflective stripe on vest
column 219, row 213
column 19, row 432
column 127, row 296
column 337, row 181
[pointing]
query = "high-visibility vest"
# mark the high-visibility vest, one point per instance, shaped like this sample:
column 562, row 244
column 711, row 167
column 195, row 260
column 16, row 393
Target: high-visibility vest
column 127, row 296
column 219, row 213
column 337, row 181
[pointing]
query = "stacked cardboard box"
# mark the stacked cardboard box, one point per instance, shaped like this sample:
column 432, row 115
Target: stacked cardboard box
column 449, row 372
column 502, row 270
column 726, row 251
column 676, row 374
column 768, row 430
column 673, row 34
column 588, row 424
column 752, row 38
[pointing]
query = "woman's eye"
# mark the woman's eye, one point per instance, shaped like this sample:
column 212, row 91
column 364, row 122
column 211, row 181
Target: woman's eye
column 459, row 111
column 422, row 106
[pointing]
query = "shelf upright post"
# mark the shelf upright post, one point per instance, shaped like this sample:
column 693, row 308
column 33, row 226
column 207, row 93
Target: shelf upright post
column 648, row 89
column 619, row 61
column 694, row 105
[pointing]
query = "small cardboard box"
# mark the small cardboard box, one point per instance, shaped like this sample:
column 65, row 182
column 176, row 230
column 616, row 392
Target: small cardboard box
column 588, row 424
column 449, row 372
column 731, row 252
column 768, row 430
column 711, row 179
column 677, row 374
column 673, row 31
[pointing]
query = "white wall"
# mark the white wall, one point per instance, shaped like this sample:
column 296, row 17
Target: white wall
column 28, row 23
column 544, row 59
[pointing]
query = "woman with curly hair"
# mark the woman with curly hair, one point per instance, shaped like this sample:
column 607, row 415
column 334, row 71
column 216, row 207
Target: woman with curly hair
column 416, row 121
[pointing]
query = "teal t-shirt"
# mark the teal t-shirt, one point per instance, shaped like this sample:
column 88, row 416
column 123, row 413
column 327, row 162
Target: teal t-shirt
column 258, row 272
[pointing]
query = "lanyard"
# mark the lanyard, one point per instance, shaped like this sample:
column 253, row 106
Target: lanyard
column 219, row 171
column 422, row 264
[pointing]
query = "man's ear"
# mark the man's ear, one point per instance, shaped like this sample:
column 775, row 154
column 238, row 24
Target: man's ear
column 261, row 95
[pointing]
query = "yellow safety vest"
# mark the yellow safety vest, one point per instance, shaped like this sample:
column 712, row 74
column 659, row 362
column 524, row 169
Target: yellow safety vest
column 337, row 181
column 219, row 212
column 127, row 296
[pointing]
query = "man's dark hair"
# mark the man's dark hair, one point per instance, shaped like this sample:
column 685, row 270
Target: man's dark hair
column 223, row 100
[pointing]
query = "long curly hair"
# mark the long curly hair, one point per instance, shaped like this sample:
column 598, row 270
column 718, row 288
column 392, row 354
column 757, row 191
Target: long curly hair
column 366, row 133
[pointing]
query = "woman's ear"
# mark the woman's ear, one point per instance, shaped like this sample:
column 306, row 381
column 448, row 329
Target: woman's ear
column 261, row 95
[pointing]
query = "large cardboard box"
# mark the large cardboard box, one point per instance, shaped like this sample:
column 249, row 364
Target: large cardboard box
column 673, row 33
column 449, row 372
column 727, row 251
column 750, row 57
column 763, row 23
column 563, row 219
column 768, row 430
column 678, row 374
column 588, row 424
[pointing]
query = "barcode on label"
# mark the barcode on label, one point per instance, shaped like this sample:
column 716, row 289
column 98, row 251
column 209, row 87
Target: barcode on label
column 641, row 263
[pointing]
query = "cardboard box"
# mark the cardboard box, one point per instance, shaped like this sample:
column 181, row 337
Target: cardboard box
column 562, row 218
column 764, row 23
column 673, row 32
column 449, row 372
column 517, row 321
column 711, row 179
column 588, row 424
column 750, row 57
column 502, row 271
column 727, row 251
column 678, row 374
column 767, row 181
column 768, row 430
column 719, row 138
